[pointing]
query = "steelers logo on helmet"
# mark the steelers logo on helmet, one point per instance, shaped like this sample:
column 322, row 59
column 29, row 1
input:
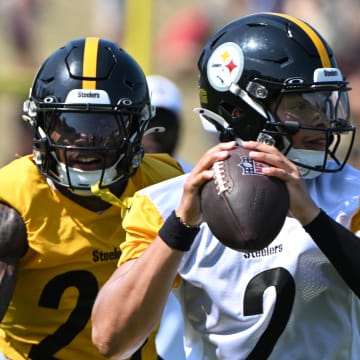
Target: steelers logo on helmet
column 225, row 66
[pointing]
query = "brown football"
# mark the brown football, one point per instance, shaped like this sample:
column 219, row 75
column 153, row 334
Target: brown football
column 243, row 208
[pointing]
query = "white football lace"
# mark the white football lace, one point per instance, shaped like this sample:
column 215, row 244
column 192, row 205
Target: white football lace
column 220, row 179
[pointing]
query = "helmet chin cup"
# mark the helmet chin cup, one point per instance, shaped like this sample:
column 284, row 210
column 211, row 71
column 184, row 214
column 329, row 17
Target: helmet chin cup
column 80, row 179
column 315, row 159
column 83, row 179
column 308, row 174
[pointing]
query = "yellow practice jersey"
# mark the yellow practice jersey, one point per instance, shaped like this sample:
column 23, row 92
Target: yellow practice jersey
column 72, row 252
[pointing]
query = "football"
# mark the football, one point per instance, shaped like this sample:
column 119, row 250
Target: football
column 243, row 208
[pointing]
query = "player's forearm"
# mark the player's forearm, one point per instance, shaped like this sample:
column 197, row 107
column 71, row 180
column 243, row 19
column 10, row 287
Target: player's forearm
column 8, row 271
column 341, row 247
column 130, row 304
column 13, row 245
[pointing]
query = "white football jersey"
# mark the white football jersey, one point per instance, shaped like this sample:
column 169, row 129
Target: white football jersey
column 286, row 301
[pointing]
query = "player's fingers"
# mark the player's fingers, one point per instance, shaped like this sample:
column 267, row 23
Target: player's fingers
column 201, row 172
column 284, row 175
column 273, row 157
column 217, row 152
column 255, row 145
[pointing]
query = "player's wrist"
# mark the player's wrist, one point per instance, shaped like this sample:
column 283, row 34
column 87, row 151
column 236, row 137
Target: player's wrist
column 178, row 234
column 188, row 222
column 305, row 213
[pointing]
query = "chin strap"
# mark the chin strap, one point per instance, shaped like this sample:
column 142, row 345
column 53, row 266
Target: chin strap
column 106, row 195
column 213, row 122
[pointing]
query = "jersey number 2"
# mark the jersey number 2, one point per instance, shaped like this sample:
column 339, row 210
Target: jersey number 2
column 87, row 286
column 284, row 284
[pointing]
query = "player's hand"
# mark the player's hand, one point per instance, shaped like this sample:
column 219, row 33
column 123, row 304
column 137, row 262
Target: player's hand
column 301, row 205
column 189, row 209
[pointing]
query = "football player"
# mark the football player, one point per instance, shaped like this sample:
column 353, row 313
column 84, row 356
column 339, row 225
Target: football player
column 61, row 208
column 166, row 125
column 265, row 79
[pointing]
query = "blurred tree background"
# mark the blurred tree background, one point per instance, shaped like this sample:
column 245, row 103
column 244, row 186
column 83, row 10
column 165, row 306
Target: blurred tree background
column 32, row 29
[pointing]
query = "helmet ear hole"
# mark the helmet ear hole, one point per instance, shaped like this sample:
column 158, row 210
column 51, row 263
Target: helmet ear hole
column 247, row 124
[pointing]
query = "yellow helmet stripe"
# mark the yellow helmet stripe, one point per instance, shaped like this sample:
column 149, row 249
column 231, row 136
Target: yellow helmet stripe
column 317, row 41
column 90, row 62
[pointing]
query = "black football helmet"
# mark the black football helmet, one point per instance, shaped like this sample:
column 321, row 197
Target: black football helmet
column 94, row 97
column 252, row 63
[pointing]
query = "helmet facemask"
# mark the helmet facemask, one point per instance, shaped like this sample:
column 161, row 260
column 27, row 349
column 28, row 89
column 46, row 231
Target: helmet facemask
column 78, row 145
column 269, row 126
column 310, row 124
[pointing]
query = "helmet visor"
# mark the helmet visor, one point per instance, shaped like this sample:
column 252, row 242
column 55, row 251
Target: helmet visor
column 310, row 108
column 93, row 130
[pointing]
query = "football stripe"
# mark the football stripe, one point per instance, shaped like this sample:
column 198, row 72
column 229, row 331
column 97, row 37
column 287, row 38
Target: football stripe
column 317, row 41
column 90, row 62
